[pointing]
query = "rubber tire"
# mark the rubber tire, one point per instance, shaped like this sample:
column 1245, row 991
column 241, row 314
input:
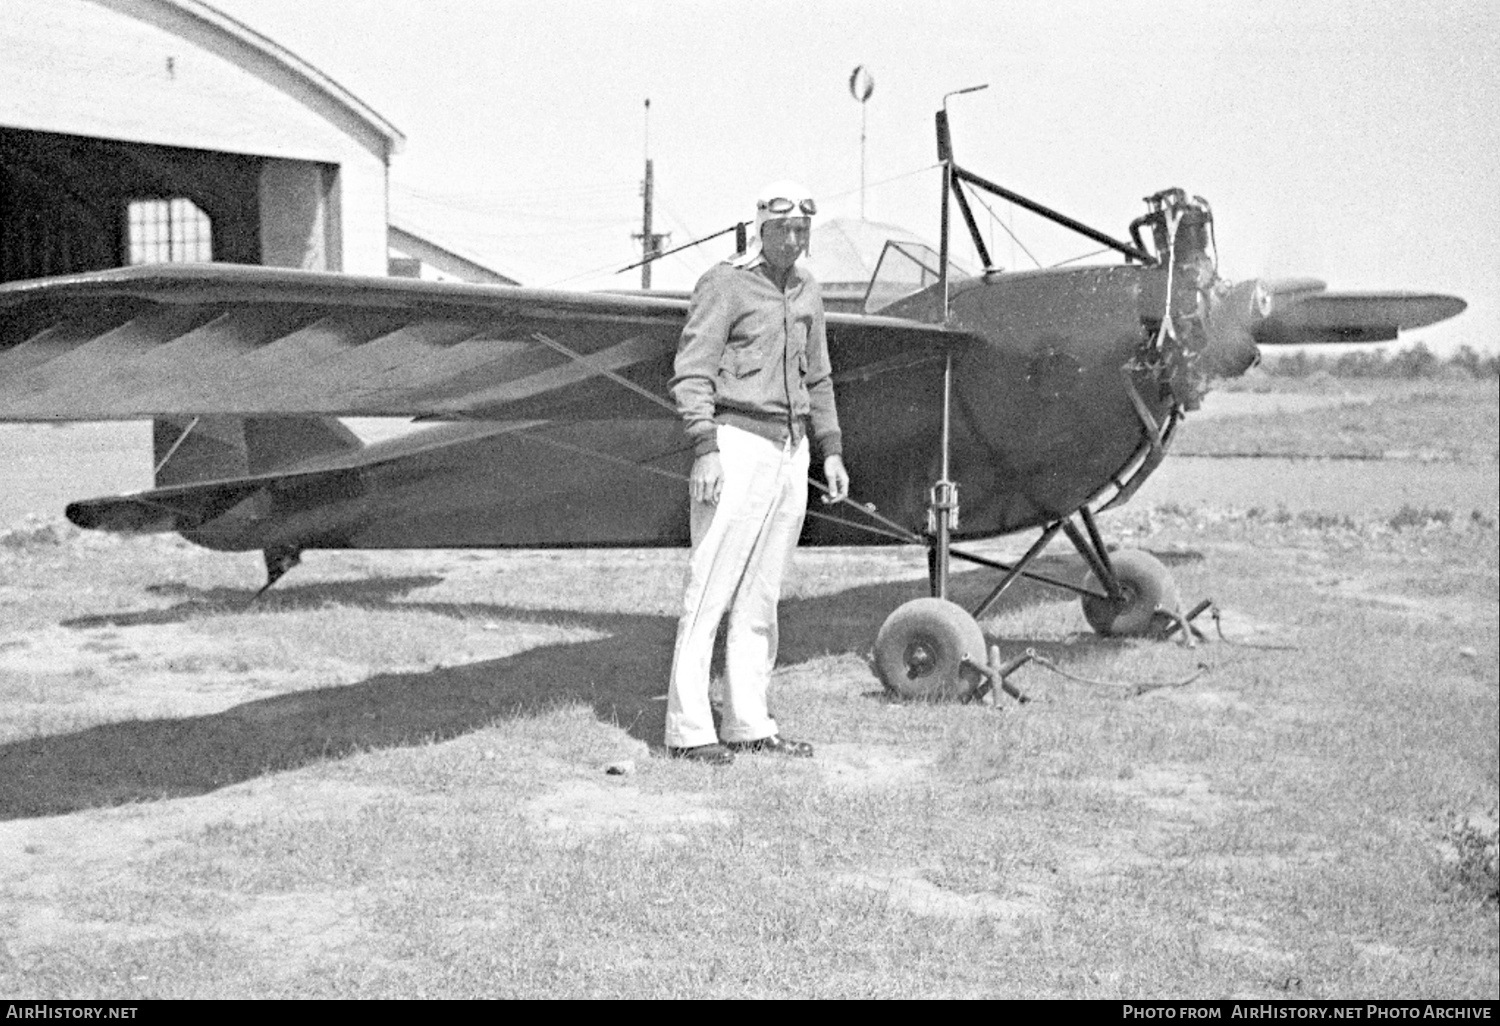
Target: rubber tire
column 921, row 647
column 1148, row 586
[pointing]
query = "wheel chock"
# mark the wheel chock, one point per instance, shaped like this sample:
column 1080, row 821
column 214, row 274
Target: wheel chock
column 1177, row 621
column 995, row 675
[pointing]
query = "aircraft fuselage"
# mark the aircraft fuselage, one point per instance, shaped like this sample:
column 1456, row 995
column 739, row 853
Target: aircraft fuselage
column 1043, row 421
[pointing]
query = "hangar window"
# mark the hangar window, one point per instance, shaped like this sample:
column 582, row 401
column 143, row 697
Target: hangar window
column 166, row 231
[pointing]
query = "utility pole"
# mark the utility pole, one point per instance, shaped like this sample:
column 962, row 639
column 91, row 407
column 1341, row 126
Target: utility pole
column 651, row 242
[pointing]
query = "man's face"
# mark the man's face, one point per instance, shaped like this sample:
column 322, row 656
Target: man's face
column 783, row 240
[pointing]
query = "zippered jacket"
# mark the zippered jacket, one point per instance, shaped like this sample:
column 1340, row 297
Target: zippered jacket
column 756, row 357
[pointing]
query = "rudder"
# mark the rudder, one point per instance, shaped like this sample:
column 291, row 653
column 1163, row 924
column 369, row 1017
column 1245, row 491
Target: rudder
column 218, row 448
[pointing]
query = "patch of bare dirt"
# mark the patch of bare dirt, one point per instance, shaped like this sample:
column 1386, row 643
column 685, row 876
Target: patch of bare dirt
column 297, row 927
column 908, row 891
column 1430, row 608
column 177, row 670
column 580, row 809
column 870, row 766
column 144, row 670
column 1175, row 793
column 1179, row 800
column 45, row 861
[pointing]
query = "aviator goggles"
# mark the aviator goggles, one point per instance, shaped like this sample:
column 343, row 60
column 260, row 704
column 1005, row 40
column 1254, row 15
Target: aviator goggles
column 783, row 207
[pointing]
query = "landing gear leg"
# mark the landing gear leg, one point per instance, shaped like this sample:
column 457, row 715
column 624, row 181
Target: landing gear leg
column 1147, row 601
column 929, row 647
column 1126, row 593
column 1140, row 598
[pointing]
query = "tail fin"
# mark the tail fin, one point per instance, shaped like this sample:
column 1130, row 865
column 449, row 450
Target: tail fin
column 206, row 470
column 219, row 448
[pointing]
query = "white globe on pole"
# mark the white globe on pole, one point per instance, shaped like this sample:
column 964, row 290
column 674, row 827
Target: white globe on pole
column 861, row 86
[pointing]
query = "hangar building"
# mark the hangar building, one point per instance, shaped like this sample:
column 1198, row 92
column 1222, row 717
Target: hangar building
column 141, row 131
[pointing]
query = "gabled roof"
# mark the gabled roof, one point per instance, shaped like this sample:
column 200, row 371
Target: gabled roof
column 413, row 240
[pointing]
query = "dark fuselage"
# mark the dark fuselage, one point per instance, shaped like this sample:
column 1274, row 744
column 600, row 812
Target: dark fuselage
column 1042, row 423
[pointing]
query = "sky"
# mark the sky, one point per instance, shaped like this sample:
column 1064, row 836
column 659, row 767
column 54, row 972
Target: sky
column 1357, row 142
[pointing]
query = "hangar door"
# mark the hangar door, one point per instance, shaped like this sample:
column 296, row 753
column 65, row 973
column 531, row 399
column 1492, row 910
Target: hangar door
column 70, row 203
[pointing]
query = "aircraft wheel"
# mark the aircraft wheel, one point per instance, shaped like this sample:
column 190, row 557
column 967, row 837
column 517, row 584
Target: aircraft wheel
column 1147, row 585
column 921, row 647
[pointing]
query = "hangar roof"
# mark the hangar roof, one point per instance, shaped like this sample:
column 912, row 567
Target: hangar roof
column 218, row 31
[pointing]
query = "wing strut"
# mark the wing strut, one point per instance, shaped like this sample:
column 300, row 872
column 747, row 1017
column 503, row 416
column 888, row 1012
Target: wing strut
column 619, row 379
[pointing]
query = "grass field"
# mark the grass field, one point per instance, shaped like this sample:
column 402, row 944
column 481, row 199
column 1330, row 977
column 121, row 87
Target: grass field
column 389, row 778
column 1433, row 421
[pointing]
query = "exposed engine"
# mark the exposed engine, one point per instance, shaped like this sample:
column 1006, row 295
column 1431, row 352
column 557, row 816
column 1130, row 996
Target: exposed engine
column 1196, row 326
column 1176, row 316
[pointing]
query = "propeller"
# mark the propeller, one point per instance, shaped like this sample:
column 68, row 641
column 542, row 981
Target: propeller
column 1327, row 317
column 1233, row 316
column 1301, row 311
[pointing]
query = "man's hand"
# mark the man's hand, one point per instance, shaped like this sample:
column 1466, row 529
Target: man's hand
column 707, row 480
column 838, row 479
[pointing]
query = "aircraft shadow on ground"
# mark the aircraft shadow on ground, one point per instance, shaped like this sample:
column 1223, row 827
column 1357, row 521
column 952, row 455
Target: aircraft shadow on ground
column 197, row 603
column 622, row 676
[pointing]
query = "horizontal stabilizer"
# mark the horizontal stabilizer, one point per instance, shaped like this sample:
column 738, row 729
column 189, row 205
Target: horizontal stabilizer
column 1325, row 317
column 183, row 508
column 266, row 451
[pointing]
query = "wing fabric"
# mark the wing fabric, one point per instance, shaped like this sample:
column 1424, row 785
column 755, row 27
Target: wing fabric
column 248, row 341
column 1309, row 316
column 210, row 339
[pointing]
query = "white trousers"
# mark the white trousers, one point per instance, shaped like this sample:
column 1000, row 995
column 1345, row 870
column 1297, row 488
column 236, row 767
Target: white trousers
column 741, row 548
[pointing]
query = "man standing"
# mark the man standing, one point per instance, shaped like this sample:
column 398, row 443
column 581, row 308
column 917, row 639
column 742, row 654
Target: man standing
column 752, row 383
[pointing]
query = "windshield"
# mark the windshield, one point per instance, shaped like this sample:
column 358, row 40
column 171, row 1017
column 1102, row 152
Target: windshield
column 905, row 269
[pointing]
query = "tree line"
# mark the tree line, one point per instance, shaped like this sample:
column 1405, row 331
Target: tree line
column 1416, row 361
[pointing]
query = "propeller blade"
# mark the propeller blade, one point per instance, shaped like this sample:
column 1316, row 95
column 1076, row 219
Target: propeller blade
column 1327, row 317
column 1282, row 293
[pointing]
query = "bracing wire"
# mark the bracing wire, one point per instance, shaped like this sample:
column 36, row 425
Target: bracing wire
column 476, row 202
column 1006, row 228
column 885, row 181
column 1085, row 256
column 888, row 528
column 589, row 225
column 1061, row 263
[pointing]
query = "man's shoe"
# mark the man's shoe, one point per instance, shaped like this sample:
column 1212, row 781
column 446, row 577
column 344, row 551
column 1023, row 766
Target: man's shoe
column 713, row 755
column 773, row 745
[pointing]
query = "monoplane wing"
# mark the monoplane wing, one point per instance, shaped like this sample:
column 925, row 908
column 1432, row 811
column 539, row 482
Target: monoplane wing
column 1303, row 313
column 249, row 341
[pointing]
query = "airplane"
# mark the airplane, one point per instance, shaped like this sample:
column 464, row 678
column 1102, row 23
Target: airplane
column 1043, row 397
